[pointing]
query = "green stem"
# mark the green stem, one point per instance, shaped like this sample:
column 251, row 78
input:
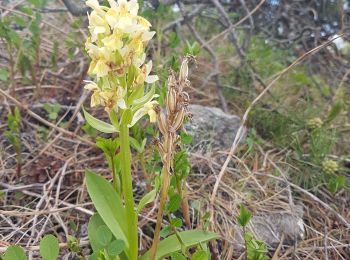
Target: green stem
column 144, row 170
column 116, row 181
column 127, row 190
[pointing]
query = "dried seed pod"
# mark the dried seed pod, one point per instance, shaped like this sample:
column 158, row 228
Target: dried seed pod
column 179, row 118
column 168, row 142
column 183, row 71
column 162, row 123
column 171, row 100
column 184, row 98
column 156, row 142
column 172, row 81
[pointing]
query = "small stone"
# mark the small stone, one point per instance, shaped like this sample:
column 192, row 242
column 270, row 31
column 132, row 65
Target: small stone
column 212, row 128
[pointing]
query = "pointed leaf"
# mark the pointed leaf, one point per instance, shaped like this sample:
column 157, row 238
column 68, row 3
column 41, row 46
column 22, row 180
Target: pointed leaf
column 148, row 198
column 171, row 244
column 99, row 124
column 244, row 216
column 144, row 99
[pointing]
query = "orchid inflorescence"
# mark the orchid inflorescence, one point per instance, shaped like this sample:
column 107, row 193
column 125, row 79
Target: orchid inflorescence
column 116, row 46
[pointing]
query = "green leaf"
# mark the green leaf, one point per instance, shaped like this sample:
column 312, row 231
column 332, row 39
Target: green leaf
column 176, row 222
column 49, row 247
column 144, row 99
column 244, row 216
column 186, row 138
column 336, row 109
column 4, row 74
column 99, row 125
column 108, row 204
column 131, row 75
column 165, row 231
column 15, row 39
column 104, row 235
column 14, row 253
column 126, row 117
column 174, row 203
column 200, row 255
column 114, row 118
column 171, row 244
column 26, row 10
column 37, row 3
column 53, row 116
column 336, row 183
column 20, row 21
column 148, row 198
column 177, row 256
column 94, row 223
column 136, row 145
column 116, row 247
column 108, row 146
column 174, row 39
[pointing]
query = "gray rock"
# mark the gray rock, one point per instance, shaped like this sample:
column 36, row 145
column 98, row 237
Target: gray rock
column 273, row 228
column 211, row 128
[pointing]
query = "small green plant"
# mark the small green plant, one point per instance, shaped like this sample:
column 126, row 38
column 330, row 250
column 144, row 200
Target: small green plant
column 52, row 110
column 49, row 250
column 254, row 249
column 22, row 51
column 13, row 135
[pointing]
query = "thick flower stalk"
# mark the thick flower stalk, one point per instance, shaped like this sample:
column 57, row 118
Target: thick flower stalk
column 116, row 46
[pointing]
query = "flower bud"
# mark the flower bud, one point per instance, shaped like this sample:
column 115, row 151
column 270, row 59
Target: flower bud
column 330, row 166
column 314, row 123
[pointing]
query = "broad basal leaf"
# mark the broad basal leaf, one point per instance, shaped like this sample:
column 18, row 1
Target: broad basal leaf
column 49, row 247
column 108, row 204
column 14, row 252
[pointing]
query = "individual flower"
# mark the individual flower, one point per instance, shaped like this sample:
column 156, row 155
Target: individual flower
column 147, row 108
column 144, row 75
column 150, row 78
column 111, row 98
column 114, row 41
column 96, row 98
column 114, row 99
column 95, row 5
column 97, row 25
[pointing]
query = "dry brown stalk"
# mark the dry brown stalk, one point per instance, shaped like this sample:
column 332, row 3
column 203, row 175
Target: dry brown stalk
column 170, row 121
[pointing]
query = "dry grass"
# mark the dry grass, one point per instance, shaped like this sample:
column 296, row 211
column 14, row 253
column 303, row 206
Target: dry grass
column 50, row 195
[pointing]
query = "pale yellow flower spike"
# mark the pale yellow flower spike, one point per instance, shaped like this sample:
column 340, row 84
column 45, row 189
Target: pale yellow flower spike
column 118, row 38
